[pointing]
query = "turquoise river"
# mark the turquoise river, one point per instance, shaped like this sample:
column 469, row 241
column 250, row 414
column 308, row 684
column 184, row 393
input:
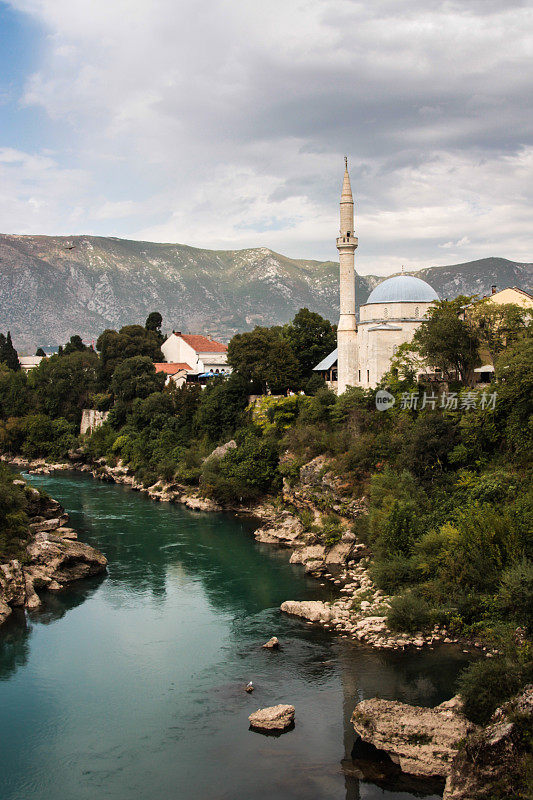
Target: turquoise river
column 130, row 686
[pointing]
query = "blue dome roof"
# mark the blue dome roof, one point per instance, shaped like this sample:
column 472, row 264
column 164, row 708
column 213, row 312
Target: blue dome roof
column 403, row 289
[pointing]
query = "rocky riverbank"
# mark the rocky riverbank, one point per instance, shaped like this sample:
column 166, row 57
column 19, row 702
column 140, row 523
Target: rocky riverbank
column 360, row 610
column 52, row 556
column 440, row 743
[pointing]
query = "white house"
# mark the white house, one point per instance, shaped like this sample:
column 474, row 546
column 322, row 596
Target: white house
column 195, row 355
column 29, row 362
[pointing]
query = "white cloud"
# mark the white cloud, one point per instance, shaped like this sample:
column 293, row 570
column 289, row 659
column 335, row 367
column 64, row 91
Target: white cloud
column 223, row 124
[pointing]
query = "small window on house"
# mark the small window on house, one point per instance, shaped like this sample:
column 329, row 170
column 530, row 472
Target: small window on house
column 394, row 349
column 417, row 312
column 368, row 376
column 385, row 312
column 359, row 376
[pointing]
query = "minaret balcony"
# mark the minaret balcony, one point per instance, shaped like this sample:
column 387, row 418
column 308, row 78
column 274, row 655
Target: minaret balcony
column 347, row 240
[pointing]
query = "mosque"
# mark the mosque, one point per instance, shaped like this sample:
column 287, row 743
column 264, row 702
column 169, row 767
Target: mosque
column 389, row 317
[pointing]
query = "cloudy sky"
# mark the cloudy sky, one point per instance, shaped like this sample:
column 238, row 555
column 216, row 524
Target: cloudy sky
column 223, row 124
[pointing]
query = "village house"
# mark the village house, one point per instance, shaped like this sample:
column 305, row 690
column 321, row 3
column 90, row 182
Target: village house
column 510, row 295
column 191, row 357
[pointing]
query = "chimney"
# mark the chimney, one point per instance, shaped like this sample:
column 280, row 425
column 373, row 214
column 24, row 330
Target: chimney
column 493, row 289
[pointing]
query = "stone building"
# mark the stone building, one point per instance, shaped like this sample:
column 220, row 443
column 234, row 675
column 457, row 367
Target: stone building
column 389, row 318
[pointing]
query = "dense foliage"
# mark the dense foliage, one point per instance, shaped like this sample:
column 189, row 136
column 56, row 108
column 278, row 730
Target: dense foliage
column 448, row 481
column 13, row 516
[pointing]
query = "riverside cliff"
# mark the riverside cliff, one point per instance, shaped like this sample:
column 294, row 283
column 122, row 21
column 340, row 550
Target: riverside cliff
column 50, row 555
column 297, row 521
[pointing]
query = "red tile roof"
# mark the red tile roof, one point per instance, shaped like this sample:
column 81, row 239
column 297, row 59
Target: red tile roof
column 172, row 368
column 202, row 344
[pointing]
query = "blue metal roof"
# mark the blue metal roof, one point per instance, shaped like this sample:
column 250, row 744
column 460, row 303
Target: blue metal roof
column 403, row 289
column 326, row 362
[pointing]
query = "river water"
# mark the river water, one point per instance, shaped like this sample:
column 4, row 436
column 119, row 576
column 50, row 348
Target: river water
column 131, row 686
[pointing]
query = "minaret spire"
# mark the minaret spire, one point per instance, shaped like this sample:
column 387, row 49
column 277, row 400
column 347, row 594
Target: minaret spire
column 347, row 328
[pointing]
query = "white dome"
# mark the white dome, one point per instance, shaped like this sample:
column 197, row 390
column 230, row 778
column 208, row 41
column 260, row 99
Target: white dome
column 403, row 289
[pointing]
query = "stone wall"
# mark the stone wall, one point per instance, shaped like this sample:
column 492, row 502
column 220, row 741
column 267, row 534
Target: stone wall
column 91, row 419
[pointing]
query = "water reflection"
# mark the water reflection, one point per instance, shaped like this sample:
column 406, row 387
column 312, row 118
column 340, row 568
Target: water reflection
column 14, row 647
column 133, row 686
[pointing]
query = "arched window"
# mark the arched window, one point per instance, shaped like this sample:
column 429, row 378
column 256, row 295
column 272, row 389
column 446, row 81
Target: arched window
column 417, row 312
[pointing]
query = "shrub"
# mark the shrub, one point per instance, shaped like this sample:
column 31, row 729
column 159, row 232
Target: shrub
column 481, row 543
column 330, row 530
column 253, row 464
column 409, row 612
column 48, row 438
column 101, row 441
column 400, row 530
column 515, row 595
column 393, row 573
column 13, row 518
column 315, row 383
column 484, row 685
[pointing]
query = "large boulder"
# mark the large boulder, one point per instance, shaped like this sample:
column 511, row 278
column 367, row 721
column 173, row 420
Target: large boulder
column 274, row 718
column 313, row 610
column 285, row 531
column 12, row 587
column 339, row 554
column 422, row 741
column 62, row 559
column 312, row 557
column 221, row 451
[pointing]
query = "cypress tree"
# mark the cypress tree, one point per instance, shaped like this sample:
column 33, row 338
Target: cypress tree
column 8, row 354
column 12, row 359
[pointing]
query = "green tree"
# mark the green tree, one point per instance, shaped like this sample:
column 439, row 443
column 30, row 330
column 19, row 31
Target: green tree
column 499, row 326
column 514, row 389
column 264, row 358
column 15, row 396
column 136, row 377
column 447, row 342
column 116, row 346
column 311, row 338
column 153, row 323
column 48, row 438
column 220, row 408
column 63, row 385
column 8, row 354
column 75, row 345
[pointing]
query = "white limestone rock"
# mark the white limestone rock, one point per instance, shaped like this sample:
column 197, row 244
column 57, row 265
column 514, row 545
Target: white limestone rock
column 273, row 718
column 423, row 741
column 312, row 610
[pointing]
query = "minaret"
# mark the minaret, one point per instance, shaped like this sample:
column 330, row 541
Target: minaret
column 347, row 330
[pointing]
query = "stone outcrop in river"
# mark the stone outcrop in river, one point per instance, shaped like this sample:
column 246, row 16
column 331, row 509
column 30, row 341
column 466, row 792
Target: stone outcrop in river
column 476, row 763
column 275, row 718
column 422, row 741
column 53, row 557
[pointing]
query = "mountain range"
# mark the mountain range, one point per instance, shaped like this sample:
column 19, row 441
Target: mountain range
column 54, row 286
